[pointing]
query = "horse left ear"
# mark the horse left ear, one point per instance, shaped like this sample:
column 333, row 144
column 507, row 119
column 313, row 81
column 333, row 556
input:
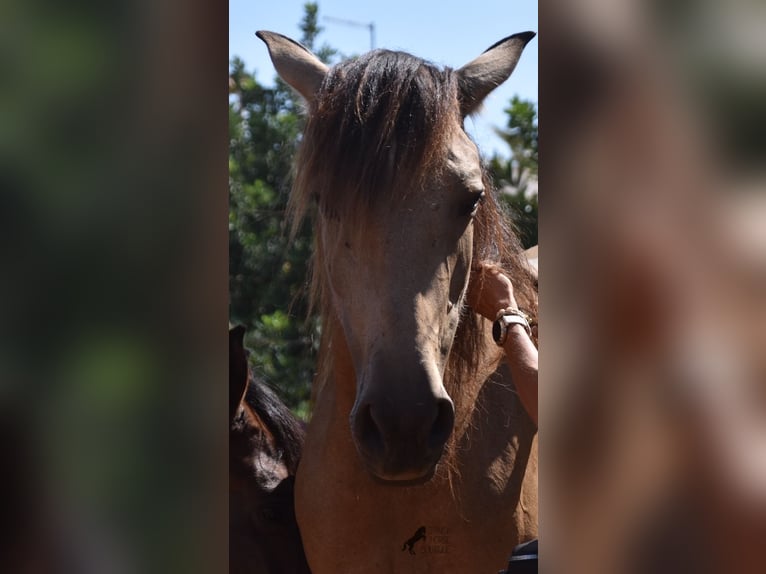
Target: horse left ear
column 482, row 75
column 295, row 64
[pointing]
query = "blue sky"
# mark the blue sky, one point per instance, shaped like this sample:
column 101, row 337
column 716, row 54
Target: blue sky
column 447, row 32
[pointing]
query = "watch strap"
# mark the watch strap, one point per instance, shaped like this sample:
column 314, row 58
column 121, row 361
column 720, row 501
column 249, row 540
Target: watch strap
column 505, row 318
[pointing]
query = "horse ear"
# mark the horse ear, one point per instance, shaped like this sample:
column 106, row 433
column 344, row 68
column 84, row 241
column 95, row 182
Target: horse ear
column 237, row 335
column 295, row 64
column 238, row 375
column 482, row 75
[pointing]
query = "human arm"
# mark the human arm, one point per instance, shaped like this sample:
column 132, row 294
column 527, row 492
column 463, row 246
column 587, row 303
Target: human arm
column 489, row 292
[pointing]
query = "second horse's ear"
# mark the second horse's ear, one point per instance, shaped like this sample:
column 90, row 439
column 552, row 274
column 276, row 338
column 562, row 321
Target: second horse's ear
column 294, row 63
column 482, row 75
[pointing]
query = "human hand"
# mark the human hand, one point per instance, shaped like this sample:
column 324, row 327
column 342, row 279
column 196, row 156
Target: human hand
column 489, row 290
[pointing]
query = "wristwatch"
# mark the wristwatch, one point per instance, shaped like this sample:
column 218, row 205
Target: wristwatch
column 506, row 317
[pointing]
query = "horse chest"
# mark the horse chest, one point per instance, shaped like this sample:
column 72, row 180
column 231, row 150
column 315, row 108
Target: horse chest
column 350, row 523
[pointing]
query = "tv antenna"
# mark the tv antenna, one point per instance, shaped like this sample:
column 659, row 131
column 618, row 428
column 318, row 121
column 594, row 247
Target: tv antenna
column 369, row 25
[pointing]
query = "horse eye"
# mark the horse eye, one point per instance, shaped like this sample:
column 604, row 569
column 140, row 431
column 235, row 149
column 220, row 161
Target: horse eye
column 476, row 201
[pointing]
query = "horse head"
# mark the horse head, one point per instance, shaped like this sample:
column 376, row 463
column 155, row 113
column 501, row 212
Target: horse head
column 398, row 186
column 265, row 442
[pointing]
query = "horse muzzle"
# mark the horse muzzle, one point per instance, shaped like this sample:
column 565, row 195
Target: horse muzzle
column 400, row 440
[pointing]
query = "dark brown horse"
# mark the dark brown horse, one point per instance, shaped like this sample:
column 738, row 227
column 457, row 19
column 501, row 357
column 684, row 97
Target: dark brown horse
column 416, row 422
column 265, row 443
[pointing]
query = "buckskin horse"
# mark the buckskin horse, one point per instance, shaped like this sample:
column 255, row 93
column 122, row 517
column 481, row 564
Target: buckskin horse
column 265, row 443
column 416, row 422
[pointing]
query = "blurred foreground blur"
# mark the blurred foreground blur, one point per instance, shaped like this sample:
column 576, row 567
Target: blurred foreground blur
column 653, row 291
column 113, row 298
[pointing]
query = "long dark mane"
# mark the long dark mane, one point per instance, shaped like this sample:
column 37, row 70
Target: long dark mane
column 286, row 431
column 376, row 122
column 263, row 423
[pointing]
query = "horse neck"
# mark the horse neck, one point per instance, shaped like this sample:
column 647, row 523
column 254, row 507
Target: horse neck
column 465, row 393
column 336, row 367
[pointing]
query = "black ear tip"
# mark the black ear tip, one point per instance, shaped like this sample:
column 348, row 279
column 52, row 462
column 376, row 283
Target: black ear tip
column 237, row 333
column 525, row 36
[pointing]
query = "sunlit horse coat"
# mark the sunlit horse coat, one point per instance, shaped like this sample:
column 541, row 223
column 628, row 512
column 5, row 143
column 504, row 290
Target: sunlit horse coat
column 416, row 428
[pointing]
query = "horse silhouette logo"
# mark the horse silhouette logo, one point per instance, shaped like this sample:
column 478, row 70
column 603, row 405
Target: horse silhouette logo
column 409, row 544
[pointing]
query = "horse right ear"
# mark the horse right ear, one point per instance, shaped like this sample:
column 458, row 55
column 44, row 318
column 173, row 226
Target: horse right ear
column 295, row 64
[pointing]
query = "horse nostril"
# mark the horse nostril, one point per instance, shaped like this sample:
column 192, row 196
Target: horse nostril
column 442, row 425
column 368, row 432
column 406, row 440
